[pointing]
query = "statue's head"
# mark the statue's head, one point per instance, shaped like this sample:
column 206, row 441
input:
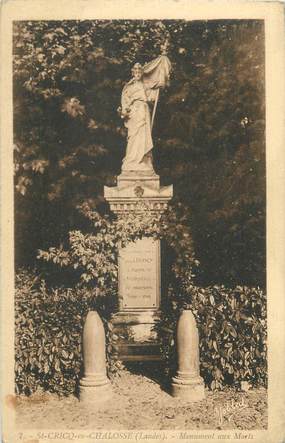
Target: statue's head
column 137, row 71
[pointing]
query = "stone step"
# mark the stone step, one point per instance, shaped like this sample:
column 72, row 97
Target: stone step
column 140, row 357
column 139, row 351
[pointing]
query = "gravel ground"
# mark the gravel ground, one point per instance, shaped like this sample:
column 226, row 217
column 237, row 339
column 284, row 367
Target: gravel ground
column 139, row 402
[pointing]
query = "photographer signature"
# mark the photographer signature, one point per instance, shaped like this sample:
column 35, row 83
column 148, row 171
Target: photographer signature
column 228, row 411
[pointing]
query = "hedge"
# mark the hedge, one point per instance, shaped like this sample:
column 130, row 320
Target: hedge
column 232, row 330
column 49, row 322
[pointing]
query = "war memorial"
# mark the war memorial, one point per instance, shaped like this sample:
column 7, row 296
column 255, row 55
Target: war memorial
column 138, row 187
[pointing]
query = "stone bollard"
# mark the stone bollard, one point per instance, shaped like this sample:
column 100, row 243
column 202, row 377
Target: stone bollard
column 94, row 386
column 187, row 384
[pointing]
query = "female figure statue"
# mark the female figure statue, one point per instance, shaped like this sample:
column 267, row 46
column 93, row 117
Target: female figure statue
column 141, row 90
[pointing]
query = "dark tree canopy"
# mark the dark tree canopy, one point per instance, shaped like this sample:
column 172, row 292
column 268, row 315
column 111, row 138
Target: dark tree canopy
column 209, row 131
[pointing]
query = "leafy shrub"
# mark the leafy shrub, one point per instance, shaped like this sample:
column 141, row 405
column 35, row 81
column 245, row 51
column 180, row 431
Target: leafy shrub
column 94, row 255
column 49, row 326
column 232, row 329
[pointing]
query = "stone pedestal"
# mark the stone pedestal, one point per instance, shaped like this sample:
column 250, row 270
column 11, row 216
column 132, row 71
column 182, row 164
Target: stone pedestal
column 187, row 384
column 135, row 188
column 139, row 267
column 94, row 386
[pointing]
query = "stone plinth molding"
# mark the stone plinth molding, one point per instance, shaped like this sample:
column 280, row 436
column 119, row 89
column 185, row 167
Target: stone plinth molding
column 136, row 190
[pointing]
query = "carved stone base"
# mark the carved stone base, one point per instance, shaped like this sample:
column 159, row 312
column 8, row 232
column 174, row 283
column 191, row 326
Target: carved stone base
column 95, row 389
column 188, row 388
column 130, row 178
column 136, row 189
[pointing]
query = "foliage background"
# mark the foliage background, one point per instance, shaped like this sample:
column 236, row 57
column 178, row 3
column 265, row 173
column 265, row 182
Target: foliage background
column 209, row 133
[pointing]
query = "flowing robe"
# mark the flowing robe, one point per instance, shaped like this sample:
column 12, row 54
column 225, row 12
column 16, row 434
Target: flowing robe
column 135, row 98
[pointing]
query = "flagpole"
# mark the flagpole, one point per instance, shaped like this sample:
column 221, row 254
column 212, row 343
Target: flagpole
column 163, row 53
column 154, row 108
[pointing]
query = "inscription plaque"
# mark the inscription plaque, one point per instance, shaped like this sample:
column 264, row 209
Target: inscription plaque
column 139, row 275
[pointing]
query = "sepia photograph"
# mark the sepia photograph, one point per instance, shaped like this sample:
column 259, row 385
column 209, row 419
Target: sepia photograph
column 140, row 217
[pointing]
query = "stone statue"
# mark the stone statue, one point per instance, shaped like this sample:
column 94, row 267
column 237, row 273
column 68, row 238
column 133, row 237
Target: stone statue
column 137, row 95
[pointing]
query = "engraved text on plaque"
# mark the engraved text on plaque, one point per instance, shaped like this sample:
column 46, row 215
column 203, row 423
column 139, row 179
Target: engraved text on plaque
column 139, row 274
